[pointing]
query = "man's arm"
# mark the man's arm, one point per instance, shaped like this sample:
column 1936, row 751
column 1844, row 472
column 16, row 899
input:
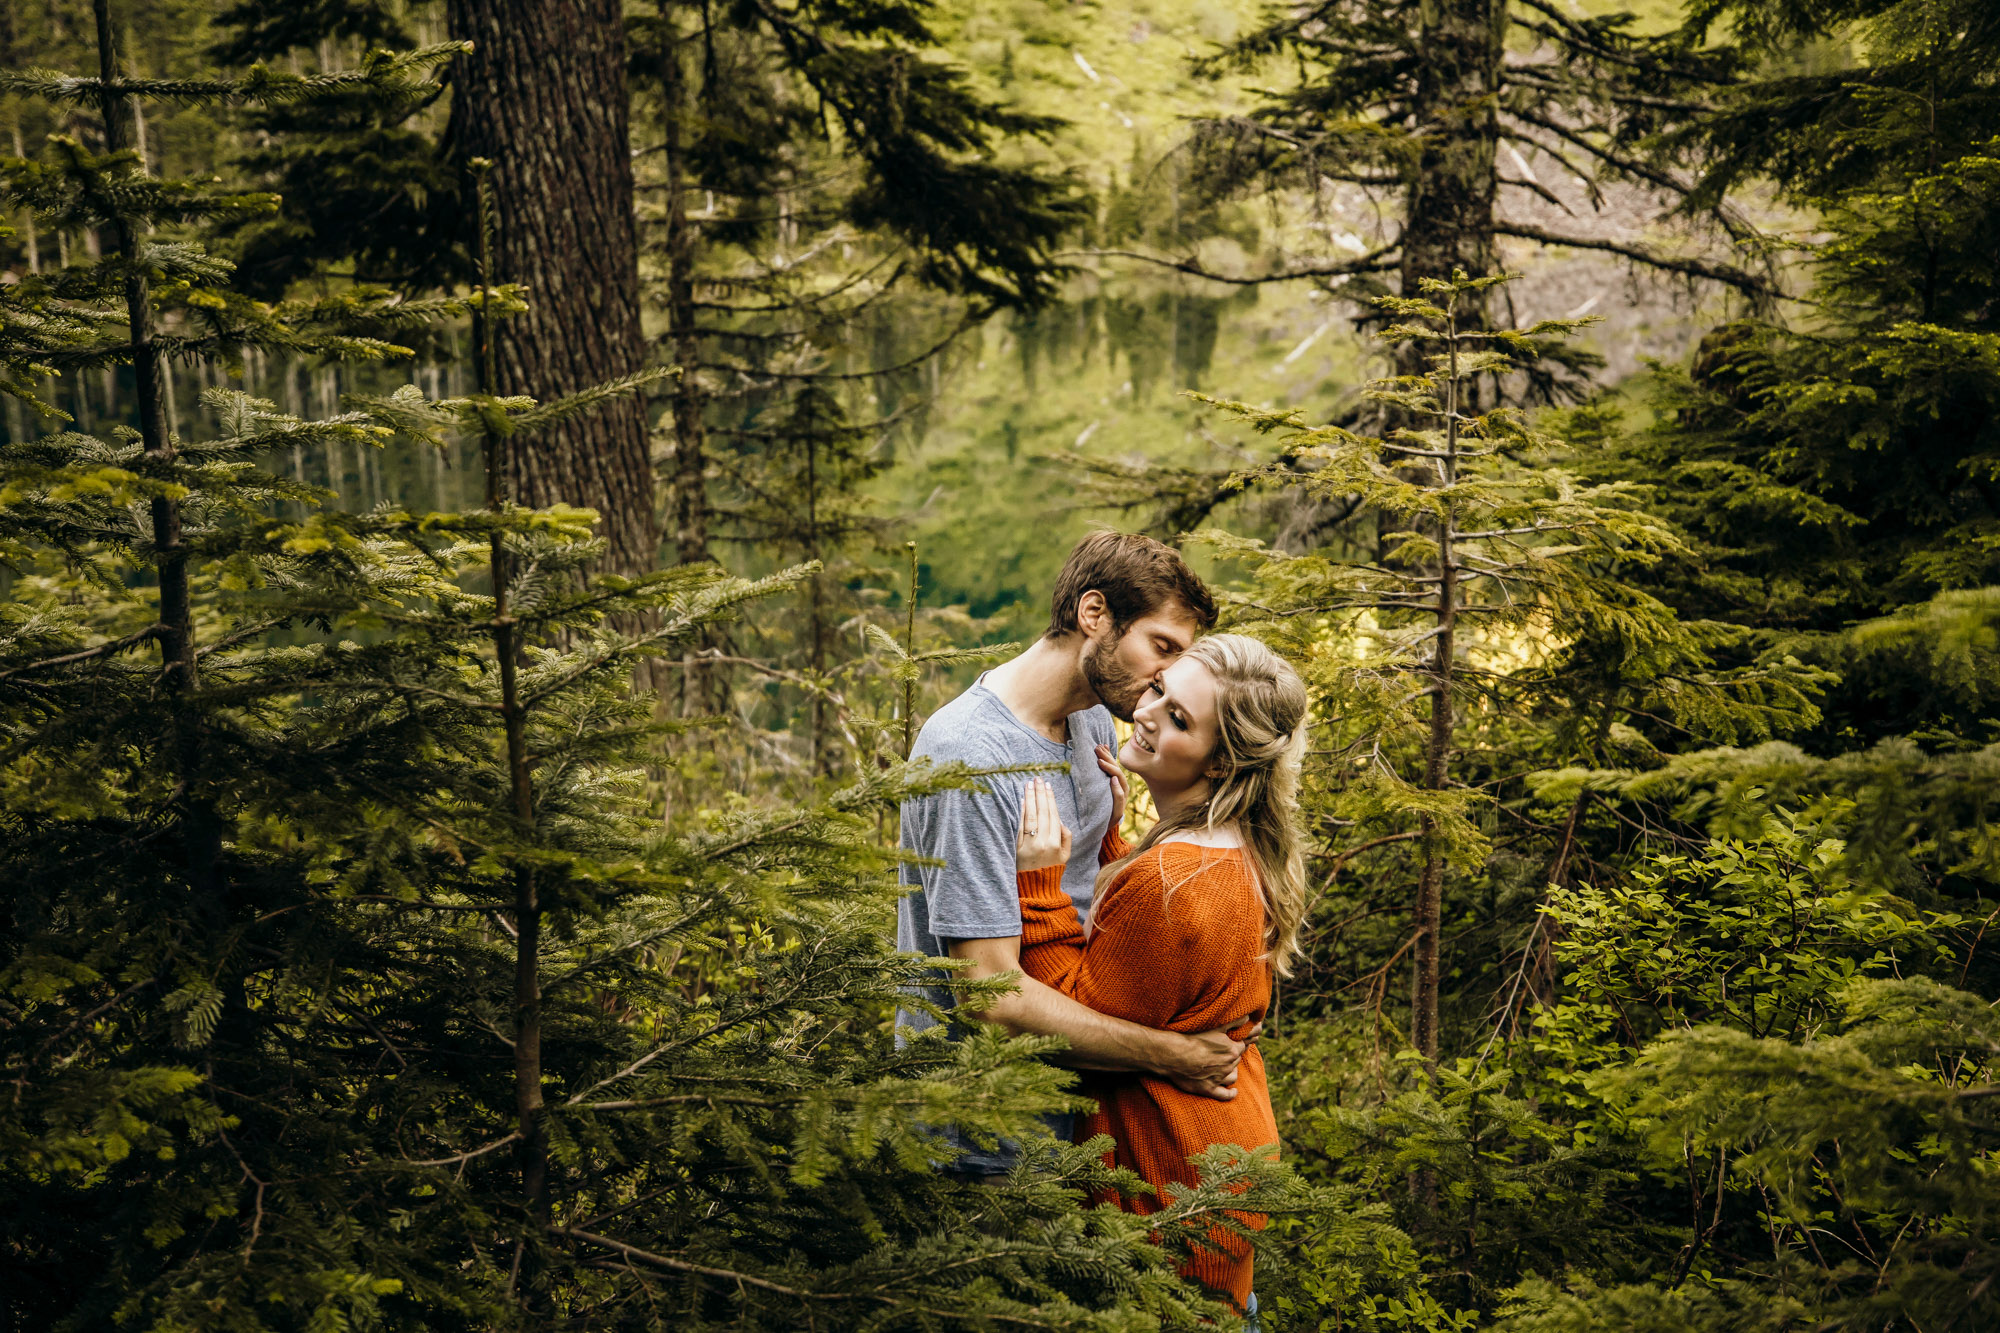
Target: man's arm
column 1201, row 1063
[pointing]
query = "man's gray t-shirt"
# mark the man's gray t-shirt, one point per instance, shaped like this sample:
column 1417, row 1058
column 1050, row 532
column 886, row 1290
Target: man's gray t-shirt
column 973, row 895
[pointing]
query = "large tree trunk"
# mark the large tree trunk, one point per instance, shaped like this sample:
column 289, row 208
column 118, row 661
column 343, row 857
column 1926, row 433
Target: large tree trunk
column 542, row 95
column 1448, row 206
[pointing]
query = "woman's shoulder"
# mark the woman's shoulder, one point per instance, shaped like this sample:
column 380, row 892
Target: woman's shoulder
column 1181, row 885
column 1172, row 863
column 1204, row 837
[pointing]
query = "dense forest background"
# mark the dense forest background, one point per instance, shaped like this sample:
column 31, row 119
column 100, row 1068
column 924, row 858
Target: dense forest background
column 434, row 906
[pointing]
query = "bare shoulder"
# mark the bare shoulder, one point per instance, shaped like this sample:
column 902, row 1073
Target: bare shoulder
column 1183, row 885
column 1173, row 862
column 1210, row 868
column 1223, row 837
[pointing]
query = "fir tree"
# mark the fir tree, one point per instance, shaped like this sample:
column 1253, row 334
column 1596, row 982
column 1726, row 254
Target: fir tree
column 1484, row 538
column 812, row 172
column 540, row 93
column 1766, row 1034
column 1834, row 471
column 1419, row 102
column 365, row 188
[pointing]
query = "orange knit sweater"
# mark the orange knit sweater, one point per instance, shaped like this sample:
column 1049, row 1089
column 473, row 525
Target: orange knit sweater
column 1176, row 942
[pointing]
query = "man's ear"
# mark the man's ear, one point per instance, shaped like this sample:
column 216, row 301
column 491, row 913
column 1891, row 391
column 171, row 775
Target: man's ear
column 1093, row 613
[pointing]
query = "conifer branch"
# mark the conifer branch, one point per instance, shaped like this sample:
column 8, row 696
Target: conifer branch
column 684, row 1266
column 108, row 649
column 461, row 1158
column 1738, row 229
column 1566, row 30
column 969, row 320
column 1379, row 260
column 1748, row 283
column 1539, row 76
column 598, row 960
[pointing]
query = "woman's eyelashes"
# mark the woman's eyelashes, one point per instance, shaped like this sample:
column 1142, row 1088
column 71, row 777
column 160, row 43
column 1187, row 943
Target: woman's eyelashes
column 1173, row 715
column 1158, row 687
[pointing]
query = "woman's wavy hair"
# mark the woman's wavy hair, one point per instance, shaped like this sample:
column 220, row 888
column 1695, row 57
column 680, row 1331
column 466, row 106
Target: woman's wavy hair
column 1260, row 714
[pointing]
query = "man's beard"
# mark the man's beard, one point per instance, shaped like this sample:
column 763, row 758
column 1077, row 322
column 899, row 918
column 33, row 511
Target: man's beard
column 1116, row 685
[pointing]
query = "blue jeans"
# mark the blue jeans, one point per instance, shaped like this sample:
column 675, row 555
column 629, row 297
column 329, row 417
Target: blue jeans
column 979, row 1163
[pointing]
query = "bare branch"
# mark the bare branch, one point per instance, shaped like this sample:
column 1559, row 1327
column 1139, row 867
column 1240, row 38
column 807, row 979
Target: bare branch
column 683, row 1266
column 114, row 646
column 1729, row 275
column 1372, row 262
column 466, row 1156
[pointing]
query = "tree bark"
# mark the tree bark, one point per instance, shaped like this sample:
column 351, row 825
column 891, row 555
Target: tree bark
column 542, row 95
column 201, row 827
column 1448, row 203
column 1448, row 225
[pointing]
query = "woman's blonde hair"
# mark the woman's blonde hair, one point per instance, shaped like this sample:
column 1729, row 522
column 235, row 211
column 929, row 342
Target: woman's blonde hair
column 1260, row 713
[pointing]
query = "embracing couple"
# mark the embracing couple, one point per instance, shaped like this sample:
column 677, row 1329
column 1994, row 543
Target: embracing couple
column 1155, row 961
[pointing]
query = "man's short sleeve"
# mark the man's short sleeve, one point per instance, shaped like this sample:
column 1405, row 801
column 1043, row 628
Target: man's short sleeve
column 973, row 895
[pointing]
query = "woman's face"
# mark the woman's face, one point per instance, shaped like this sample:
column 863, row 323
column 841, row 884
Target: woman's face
column 1173, row 729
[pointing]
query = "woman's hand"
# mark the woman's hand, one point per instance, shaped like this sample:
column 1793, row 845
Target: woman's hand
column 1108, row 761
column 1044, row 842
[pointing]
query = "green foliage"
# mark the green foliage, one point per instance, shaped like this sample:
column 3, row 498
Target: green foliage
column 831, row 201
column 1710, row 825
column 1828, row 128
column 1417, row 101
column 354, row 974
column 367, row 191
column 1513, row 1189
column 1755, row 1023
column 1760, row 935
column 1498, row 580
column 1743, row 1107
column 1868, row 1147
column 1837, row 470
column 1916, row 809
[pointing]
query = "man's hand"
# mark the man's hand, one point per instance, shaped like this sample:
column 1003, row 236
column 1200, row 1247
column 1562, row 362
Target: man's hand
column 1207, row 1062
column 1202, row 1064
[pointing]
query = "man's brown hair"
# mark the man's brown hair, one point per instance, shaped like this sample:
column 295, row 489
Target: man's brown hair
column 1136, row 575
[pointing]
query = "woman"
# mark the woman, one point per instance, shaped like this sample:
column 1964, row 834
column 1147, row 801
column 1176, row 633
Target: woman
column 1188, row 929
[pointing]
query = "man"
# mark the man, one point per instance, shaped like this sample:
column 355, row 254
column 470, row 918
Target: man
column 1124, row 608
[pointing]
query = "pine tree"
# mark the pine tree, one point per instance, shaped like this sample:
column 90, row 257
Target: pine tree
column 1828, row 475
column 1485, row 540
column 1850, row 450
column 366, row 189
column 1769, row 1037
column 1445, row 116
column 541, row 94
column 812, row 173
column 1419, row 101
